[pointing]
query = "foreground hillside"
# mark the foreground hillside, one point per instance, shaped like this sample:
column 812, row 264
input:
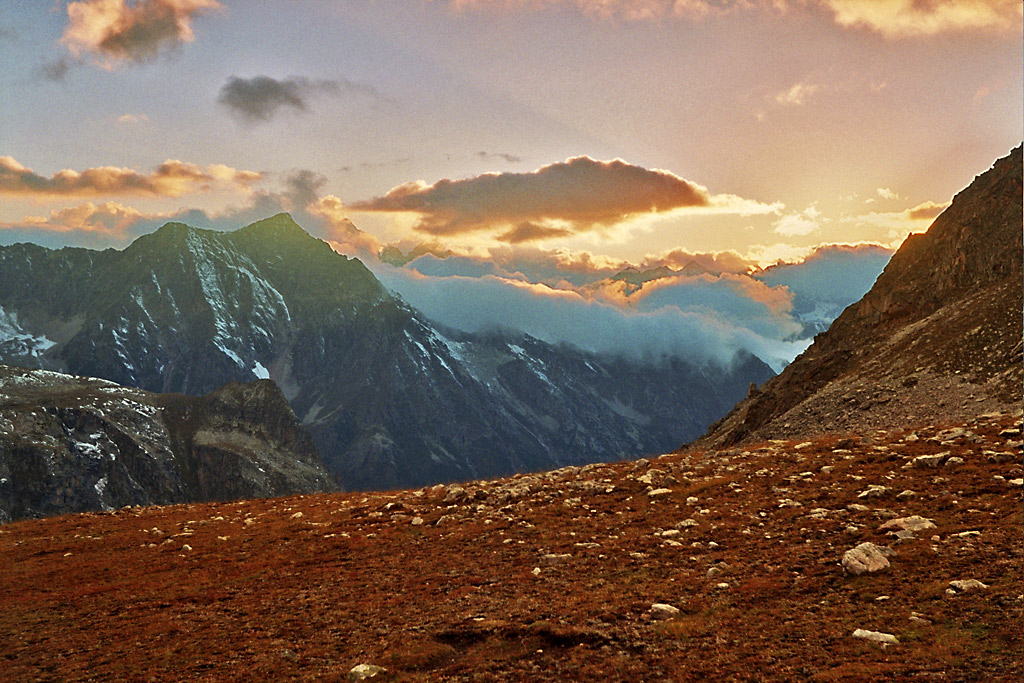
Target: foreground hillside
column 552, row 577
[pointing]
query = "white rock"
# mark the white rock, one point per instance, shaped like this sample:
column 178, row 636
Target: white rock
column 659, row 492
column 929, row 460
column 964, row 585
column 297, row 515
column 362, row 672
column 874, row 491
column 866, row 558
column 661, row 611
column 876, row 636
column 912, row 523
column 417, row 521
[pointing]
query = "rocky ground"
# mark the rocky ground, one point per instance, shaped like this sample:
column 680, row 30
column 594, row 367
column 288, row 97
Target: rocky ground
column 705, row 565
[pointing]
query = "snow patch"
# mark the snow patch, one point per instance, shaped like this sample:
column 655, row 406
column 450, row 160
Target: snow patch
column 260, row 371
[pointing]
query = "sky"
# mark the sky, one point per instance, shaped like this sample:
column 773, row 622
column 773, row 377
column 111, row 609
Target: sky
column 534, row 142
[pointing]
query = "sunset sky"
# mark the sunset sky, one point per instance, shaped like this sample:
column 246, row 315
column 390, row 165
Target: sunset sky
column 604, row 129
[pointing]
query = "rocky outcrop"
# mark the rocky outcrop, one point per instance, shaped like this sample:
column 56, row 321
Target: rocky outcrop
column 74, row 444
column 938, row 336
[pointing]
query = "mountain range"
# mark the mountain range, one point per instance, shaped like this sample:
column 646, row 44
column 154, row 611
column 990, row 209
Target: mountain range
column 390, row 398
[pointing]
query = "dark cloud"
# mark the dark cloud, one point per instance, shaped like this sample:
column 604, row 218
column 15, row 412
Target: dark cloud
column 510, row 158
column 115, row 32
column 531, row 232
column 579, row 194
column 260, row 98
column 55, row 70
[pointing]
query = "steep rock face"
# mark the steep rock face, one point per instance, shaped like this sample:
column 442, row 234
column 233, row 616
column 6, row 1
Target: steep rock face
column 390, row 399
column 937, row 337
column 73, row 444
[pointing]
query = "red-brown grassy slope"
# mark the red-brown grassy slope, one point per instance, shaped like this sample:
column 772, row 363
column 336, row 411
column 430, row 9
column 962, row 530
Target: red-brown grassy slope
column 938, row 337
column 549, row 577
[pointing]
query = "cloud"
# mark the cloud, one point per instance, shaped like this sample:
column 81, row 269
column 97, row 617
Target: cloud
column 634, row 10
column 886, row 193
column 799, row 224
column 131, row 119
column 170, row 179
column 55, row 70
column 108, row 218
column 926, row 211
column 114, row 32
column 577, row 195
column 902, row 222
column 908, row 18
column 797, row 95
column 260, row 98
column 838, row 273
column 510, row 158
column 531, row 232
column 891, row 18
column 702, row 334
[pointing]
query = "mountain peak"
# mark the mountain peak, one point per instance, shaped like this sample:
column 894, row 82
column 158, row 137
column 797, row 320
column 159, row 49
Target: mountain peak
column 279, row 226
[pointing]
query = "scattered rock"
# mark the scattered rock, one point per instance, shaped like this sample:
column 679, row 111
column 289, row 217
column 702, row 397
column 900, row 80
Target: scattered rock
column 660, row 611
column 876, row 636
column 929, row 460
column 362, row 672
column 964, row 585
column 912, row 523
column 875, row 491
column 654, row 493
column 866, row 558
column 555, row 558
column 953, row 462
column 297, row 515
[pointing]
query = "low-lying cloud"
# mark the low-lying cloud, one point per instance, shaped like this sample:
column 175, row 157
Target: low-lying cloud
column 114, row 32
column 172, row 178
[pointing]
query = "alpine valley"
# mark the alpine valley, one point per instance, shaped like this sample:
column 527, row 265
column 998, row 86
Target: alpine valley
column 389, row 398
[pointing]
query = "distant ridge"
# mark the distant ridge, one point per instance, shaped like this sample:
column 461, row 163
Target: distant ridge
column 938, row 337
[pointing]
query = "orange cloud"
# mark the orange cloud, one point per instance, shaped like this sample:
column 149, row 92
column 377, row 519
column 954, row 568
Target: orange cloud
column 891, row 18
column 576, row 195
column 926, row 211
column 531, row 232
column 903, row 18
column 108, row 218
column 170, row 179
column 115, row 32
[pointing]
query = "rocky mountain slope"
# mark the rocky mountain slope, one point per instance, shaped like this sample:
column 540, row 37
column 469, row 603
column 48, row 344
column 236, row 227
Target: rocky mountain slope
column 70, row 444
column 891, row 556
column 390, row 399
column 938, row 336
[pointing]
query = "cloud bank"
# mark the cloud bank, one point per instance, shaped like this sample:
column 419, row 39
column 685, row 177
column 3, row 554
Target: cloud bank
column 172, row 178
column 114, row 32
